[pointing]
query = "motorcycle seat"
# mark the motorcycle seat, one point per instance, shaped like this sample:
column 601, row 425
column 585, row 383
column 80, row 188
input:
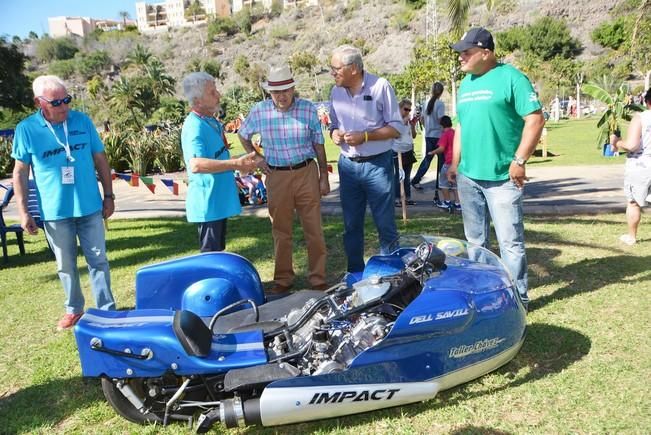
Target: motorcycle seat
column 192, row 333
column 272, row 314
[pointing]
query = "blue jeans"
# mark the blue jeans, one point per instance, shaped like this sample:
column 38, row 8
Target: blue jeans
column 361, row 183
column 62, row 235
column 431, row 143
column 501, row 201
column 406, row 167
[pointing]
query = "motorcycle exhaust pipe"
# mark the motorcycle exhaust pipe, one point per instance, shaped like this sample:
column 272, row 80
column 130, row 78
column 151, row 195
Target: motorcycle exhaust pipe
column 278, row 406
column 235, row 413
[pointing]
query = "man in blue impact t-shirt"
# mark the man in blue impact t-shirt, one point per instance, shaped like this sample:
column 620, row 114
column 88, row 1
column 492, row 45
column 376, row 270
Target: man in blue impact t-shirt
column 63, row 150
column 212, row 194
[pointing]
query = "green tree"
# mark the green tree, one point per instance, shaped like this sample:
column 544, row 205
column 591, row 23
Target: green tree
column 125, row 16
column 15, row 92
column 617, row 109
column 160, row 82
column 458, row 14
column 549, row 37
column 222, row 25
column 32, row 35
column 49, row 49
column 612, row 34
column 125, row 95
column 90, row 64
column 139, row 57
column 244, row 21
column 306, row 62
column 63, row 68
column 194, row 10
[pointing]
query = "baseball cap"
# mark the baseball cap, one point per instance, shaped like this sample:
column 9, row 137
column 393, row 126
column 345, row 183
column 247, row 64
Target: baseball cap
column 475, row 37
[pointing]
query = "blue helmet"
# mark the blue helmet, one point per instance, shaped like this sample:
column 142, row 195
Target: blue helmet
column 206, row 297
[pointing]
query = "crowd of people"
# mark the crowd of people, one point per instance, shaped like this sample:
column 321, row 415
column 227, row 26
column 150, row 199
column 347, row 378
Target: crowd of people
column 481, row 165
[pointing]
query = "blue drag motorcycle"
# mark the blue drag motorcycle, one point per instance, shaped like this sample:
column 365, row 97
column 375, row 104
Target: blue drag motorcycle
column 204, row 343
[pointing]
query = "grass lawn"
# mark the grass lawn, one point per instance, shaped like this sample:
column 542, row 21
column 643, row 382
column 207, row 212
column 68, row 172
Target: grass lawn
column 582, row 368
column 569, row 142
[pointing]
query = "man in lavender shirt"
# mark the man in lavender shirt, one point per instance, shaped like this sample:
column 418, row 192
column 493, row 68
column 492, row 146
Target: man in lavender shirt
column 364, row 119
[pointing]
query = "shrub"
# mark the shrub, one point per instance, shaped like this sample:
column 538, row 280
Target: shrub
column 281, row 32
column 403, row 18
column 141, row 151
column 49, row 49
column 222, row 25
column 612, row 35
column 115, row 148
column 170, row 155
column 63, row 68
column 90, row 64
column 6, row 162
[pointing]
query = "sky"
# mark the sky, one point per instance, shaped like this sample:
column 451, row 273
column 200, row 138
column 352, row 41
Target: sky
column 19, row 17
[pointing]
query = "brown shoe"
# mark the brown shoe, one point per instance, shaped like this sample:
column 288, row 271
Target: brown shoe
column 279, row 289
column 321, row 287
column 68, row 321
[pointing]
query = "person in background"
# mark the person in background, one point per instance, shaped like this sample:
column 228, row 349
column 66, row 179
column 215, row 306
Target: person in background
column 212, row 193
column 500, row 123
column 63, row 150
column 637, row 173
column 434, row 111
column 446, row 148
column 404, row 145
column 364, row 120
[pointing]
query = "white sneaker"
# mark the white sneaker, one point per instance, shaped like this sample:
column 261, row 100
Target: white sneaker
column 627, row 239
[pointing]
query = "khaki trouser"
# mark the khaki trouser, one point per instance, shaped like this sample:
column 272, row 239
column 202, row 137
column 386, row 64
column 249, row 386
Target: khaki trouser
column 296, row 190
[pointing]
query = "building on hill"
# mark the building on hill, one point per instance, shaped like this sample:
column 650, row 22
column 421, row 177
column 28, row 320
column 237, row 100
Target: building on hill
column 238, row 5
column 66, row 26
column 82, row 26
column 172, row 13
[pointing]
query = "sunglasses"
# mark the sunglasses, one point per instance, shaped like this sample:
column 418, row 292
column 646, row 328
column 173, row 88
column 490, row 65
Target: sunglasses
column 407, row 109
column 59, row 101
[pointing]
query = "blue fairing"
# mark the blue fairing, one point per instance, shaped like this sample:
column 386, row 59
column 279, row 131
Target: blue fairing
column 162, row 285
column 466, row 317
column 139, row 330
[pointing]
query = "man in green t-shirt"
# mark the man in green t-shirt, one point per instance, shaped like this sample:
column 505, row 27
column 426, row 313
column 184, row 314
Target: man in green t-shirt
column 500, row 122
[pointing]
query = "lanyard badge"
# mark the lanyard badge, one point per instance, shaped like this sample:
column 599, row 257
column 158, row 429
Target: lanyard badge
column 66, row 146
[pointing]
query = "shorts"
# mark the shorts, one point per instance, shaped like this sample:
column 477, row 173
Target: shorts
column 443, row 178
column 637, row 181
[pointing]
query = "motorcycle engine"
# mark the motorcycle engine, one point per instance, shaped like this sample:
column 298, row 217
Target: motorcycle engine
column 336, row 344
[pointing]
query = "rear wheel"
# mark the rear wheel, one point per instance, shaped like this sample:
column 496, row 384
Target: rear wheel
column 125, row 408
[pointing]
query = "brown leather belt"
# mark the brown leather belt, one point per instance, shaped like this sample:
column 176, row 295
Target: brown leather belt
column 291, row 167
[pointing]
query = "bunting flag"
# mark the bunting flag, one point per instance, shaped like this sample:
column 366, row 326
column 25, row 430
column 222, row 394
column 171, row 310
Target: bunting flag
column 134, row 180
column 330, row 168
column 172, row 185
column 149, row 182
column 125, row 177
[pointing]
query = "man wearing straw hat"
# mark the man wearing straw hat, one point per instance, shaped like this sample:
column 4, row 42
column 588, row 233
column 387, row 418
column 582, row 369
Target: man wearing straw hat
column 290, row 133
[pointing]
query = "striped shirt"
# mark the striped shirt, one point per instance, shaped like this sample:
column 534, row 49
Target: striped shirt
column 287, row 138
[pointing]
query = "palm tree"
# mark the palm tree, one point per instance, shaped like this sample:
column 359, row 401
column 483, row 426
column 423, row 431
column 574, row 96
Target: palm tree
column 125, row 16
column 193, row 10
column 161, row 83
column 125, row 94
column 458, row 14
column 140, row 57
column 617, row 109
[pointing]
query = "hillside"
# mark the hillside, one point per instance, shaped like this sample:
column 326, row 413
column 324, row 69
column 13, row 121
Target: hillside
column 319, row 29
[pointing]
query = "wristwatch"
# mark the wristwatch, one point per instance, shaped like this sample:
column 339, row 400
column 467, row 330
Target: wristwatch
column 109, row 196
column 519, row 161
